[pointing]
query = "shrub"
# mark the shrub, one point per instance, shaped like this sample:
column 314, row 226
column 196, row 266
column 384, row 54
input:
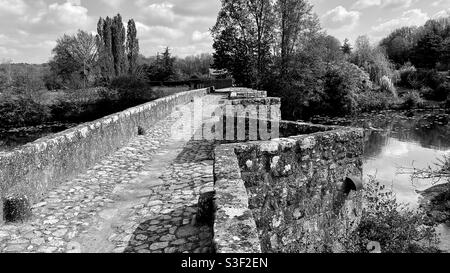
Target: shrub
column 442, row 92
column 406, row 73
column 387, row 86
column 340, row 89
column 426, row 92
column 373, row 101
column 412, row 99
column 19, row 110
column 447, row 103
column 127, row 82
column 397, row 228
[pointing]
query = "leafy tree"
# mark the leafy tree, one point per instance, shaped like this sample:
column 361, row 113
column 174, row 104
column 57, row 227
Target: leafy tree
column 295, row 24
column 162, row 69
column 231, row 53
column 331, row 47
column 372, row 59
column 75, row 58
column 428, row 51
column 243, row 36
column 399, row 44
column 104, row 43
column 118, row 45
column 111, row 39
column 132, row 47
column 346, row 47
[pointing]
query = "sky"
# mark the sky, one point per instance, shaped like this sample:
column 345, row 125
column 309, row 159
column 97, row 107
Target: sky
column 29, row 28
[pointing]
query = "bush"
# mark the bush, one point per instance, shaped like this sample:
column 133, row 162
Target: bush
column 412, row 99
column 375, row 101
column 442, row 92
column 397, row 228
column 406, row 74
column 447, row 103
column 387, row 86
column 19, row 111
column 340, row 88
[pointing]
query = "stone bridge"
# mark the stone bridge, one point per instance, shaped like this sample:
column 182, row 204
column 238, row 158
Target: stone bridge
column 138, row 181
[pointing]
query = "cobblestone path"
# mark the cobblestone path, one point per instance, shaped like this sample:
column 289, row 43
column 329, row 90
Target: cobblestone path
column 143, row 198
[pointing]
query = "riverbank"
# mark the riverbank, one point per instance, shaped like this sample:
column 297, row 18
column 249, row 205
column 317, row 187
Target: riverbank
column 396, row 143
column 26, row 118
column 436, row 203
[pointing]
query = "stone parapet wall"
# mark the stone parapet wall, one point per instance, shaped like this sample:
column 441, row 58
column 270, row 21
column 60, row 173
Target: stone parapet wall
column 234, row 225
column 294, row 189
column 33, row 169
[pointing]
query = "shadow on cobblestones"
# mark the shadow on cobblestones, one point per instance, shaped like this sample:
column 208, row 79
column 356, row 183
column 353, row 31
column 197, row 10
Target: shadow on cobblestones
column 171, row 226
column 173, row 232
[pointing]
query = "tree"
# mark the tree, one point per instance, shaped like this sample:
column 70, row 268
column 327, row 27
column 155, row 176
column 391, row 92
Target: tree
column 111, row 39
column 104, row 43
column 118, row 45
column 346, row 47
column 231, row 53
column 190, row 66
column 162, row 69
column 372, row 59
column 427, row 51
column 243, row 36
column 75, row 58
column 85, row 51
column 399, row 43
column 332, row 48
column 132, row 47
column 295, row 23
column 261, row 11
column 5, row 74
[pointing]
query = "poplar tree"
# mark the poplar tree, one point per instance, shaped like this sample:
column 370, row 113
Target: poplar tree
column 104, row 43
column 132, row 47
column 118, row 45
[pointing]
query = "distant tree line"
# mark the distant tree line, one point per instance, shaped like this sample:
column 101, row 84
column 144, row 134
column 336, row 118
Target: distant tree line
column 427, row 46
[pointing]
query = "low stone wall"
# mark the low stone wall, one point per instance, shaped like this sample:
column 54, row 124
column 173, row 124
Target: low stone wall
column 289, row 192
column 33, row 169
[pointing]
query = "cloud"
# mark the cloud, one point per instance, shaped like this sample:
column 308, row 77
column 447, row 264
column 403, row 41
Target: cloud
column 442, row 14
column 158, row 31
column 385, row 4
column 339, row 17
column 438, row 3
column 113, row 3
column 159, row 14
column 395, row 4
column 414, row 17
column 363, row 4
column 13, row 7
column 201, row 36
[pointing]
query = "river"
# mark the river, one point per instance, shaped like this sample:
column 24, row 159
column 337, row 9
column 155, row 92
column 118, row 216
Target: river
column 399, row 141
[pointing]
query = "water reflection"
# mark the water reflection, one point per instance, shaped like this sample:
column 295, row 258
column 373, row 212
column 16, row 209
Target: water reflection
column 397, row 141
column 391, row 155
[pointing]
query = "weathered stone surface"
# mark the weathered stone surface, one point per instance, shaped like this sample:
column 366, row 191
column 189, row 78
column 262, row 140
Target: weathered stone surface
column 285, row 195
column 37, row 167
